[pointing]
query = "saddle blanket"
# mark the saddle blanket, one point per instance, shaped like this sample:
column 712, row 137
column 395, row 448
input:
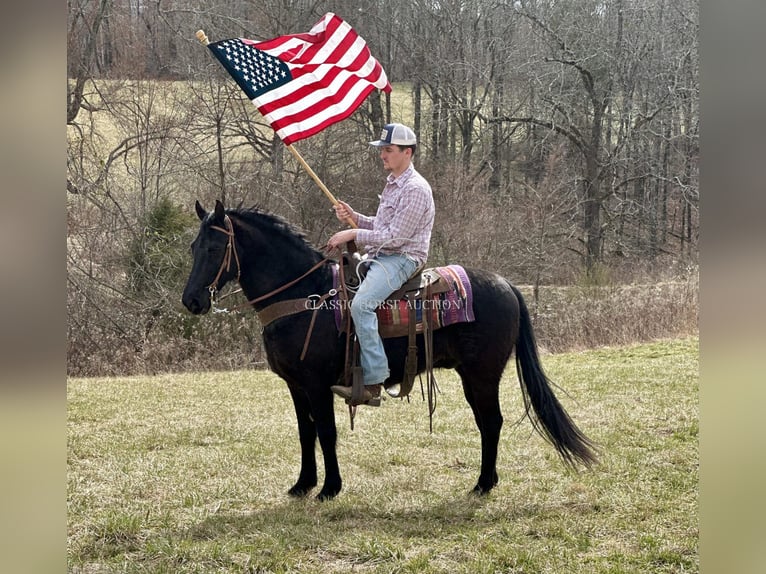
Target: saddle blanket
column 447, row 308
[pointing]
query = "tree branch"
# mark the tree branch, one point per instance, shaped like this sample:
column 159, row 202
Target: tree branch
column 573, row 136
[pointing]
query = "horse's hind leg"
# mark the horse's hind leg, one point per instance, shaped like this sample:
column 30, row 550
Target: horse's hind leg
column 481, row 390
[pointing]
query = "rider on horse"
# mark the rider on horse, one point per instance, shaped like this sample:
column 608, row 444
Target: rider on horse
column 396, row 240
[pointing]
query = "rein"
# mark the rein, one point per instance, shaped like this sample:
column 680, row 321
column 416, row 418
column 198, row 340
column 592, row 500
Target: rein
column 286, row 285
column 231, row 249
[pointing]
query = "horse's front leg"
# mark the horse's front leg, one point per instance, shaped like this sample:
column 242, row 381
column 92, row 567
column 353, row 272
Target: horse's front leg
column 307, row 433
column 324, row 419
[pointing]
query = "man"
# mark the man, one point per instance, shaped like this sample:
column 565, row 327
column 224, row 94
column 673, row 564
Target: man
column 396, row 241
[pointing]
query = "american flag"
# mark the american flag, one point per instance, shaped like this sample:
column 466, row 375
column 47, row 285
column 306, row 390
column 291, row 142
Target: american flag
column 302, row 83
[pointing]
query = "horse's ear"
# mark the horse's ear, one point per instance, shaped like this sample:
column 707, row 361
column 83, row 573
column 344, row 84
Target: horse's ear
column 220, row 213
column 201, row 213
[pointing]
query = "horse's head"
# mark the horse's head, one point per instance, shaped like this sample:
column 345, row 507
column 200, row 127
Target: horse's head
column 215, row 259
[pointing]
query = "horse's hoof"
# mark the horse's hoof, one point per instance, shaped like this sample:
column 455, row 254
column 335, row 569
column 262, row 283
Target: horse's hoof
column 325, row 496
column 327, row 493
column 483, row 487
column 299, row 491
column 478, row 490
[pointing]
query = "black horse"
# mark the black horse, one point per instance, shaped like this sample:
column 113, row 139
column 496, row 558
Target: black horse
column 264, row 253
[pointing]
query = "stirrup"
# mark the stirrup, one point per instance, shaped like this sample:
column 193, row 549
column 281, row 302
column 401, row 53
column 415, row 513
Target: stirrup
column 345, row 394
column 358, row 390
column 373, row 402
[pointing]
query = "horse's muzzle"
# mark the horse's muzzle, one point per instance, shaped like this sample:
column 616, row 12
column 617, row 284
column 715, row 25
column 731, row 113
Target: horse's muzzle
column 196, row 304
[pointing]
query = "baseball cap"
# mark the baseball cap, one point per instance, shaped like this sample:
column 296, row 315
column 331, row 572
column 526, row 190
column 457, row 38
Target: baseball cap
column 396, row 134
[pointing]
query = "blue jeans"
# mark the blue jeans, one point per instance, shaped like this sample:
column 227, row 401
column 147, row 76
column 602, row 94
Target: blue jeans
column 386, row 274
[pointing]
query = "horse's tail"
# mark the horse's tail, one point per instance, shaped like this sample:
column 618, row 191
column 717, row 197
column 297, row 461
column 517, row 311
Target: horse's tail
column 550, row 419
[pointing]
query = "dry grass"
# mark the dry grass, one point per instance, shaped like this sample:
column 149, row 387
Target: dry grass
column 188, row 473
column 587, row 317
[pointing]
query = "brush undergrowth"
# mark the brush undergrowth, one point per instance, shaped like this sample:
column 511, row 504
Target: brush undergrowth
column 565, row 318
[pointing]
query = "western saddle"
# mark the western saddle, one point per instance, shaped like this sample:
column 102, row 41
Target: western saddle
column 422, row 286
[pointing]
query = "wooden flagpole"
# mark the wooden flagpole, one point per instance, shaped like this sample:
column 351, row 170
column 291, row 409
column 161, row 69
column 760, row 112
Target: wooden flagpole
column 202, row 37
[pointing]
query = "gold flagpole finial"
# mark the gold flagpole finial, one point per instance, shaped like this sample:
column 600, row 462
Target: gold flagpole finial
column 202, row 37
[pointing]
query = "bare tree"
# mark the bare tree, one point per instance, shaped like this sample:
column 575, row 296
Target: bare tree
column 86, row 18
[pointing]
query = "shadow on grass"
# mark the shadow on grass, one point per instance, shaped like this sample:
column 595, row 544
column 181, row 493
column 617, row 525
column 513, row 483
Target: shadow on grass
column 299, row 520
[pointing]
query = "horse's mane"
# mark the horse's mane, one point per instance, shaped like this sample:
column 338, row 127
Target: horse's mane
column 270, row 222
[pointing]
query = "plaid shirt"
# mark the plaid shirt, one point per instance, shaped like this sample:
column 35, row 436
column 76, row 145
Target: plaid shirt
column 404, row 219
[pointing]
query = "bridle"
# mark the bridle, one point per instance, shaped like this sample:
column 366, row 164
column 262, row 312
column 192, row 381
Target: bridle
column 231, row 248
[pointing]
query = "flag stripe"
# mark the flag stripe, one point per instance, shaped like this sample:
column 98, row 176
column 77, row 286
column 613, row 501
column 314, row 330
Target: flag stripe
column 325, row 82
column 313, row 103
column 334, row 47
column 328, row 22
column 322, row 113
column 331, row 73
column 309, row 76
column 330, row 88
column 324, row 41
column 303, row 129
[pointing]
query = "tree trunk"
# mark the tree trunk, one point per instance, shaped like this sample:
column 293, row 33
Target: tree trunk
column 436, row 123
column 277, row 158
column 592, row 213
column 663, row 177
column 593, row 199
column 376, row 112
column 496, row 162
column 221, row 167
column 417, row 104
column 87, row 57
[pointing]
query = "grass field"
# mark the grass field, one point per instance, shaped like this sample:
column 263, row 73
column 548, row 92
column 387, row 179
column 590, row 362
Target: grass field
column 188, row 473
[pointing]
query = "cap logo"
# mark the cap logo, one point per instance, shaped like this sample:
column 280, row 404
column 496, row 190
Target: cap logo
column 385, row 136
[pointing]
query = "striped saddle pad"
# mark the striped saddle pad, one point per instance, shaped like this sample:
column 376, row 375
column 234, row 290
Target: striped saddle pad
column 451, row 303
